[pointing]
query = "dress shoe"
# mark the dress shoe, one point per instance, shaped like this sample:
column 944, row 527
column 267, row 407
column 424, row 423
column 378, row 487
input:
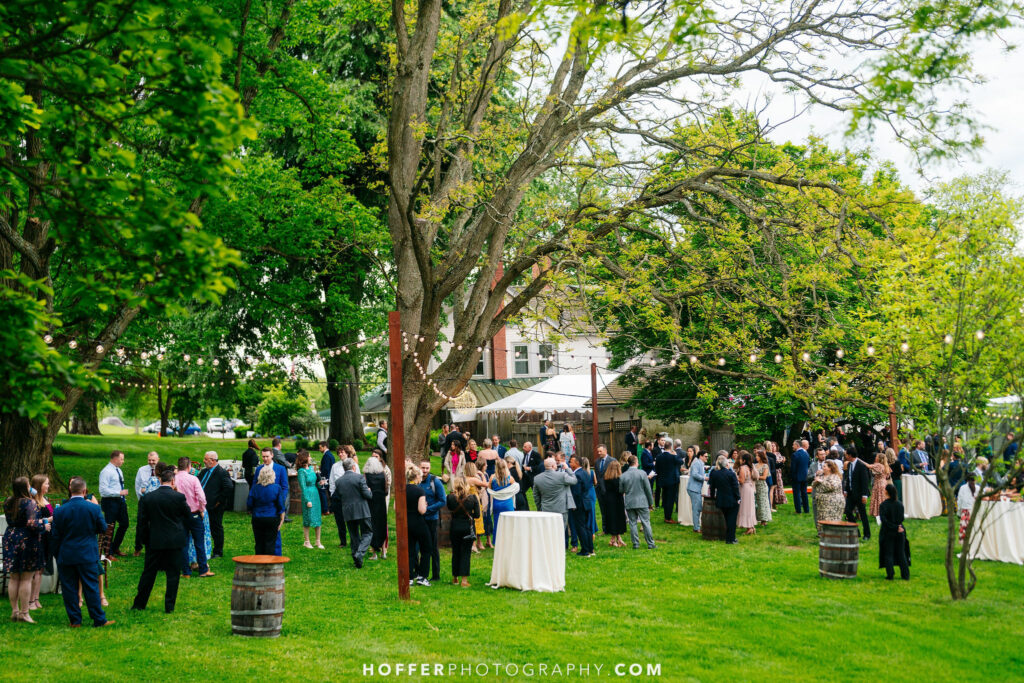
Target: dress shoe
column 74, row 626
column 207, row 574
column 359, row 563
column 110, row 622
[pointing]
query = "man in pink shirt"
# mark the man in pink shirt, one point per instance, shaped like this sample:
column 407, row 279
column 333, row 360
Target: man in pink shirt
column 188, row 484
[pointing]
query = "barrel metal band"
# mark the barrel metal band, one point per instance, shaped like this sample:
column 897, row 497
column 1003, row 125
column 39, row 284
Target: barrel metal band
column 255, row 612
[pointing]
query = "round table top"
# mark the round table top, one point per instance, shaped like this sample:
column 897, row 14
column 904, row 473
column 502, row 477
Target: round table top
column 261, row 559
column 839, row 523
column 530, row 514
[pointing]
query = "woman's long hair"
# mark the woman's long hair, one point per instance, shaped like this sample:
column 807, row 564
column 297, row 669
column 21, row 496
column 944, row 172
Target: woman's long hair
column 613, row 471
column 302, row 459
column 19, row 490
column 500, row 470
column 513, row 464
column 37, row 483
column 460, row 488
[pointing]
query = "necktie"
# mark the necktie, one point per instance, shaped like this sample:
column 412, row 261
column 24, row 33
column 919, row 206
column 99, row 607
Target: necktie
column 206, row 477
column 120, row 480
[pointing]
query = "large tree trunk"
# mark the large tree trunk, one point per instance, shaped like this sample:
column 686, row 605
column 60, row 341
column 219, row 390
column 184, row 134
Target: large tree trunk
column 339, row 392
column 84, row 419
column 353, row 397
column 27, row 446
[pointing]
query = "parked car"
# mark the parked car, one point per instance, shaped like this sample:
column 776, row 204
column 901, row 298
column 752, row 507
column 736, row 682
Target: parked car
column 152, row 428
column 216, row 424
column 193, row 429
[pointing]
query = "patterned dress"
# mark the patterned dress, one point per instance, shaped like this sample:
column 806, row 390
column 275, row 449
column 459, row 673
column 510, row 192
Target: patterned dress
column 310, row 494
column 880, row 473
column 828, row 499
column 762, row 504
column 23, row 549
column 746, row 519
column 207, row 543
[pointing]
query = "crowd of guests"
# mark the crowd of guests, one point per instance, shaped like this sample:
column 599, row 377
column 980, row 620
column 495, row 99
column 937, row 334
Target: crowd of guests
column 181, row 505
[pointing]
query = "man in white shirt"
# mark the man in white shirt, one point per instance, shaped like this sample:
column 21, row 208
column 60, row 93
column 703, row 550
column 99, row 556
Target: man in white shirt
column 513, row 450
column 112, row 501
column 145, row 481
column 382, row 436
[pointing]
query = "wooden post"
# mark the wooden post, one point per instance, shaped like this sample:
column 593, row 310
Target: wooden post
column 398, row 451
column 593, row 409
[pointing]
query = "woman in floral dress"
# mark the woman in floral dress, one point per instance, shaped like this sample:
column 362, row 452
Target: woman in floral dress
column 827, row 489
column 880, row 475
column 763, row 507
column 23, row 551
column 746, row 519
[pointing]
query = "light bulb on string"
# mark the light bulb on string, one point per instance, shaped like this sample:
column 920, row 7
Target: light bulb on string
column 871, row 350
column 672, row 363
column 199, row 361
column 840, row 353
column 422, row 339
column 72, row 344
column 904, row 347
column 653, row 362
column 120, row 352
column 459, row 347
column 778, row 358
column 979, row 335
column 186, row 358
column 47, row 339
column 721, row 362
column 948, row 339
column 806, row 357
column 99, row 348
column 693, row 360
column 753, row 358
column 144, row 355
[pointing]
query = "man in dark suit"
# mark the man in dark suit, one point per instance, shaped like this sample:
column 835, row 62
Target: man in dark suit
column 603, row 460
column 75, row 527
column 163, row 516
column 327, row 461
column 533, row 465
column 799, row 463
column 857, row 485
column 666, row 467
column 581, row 514
column 351, row 500
column 551, row 492
column 631, row 440
column 724, row 487
column 219, row 491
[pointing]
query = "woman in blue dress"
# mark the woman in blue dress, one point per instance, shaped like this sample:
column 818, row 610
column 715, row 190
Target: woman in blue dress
column 592, row 496
column 310, row 499
column 503, row 493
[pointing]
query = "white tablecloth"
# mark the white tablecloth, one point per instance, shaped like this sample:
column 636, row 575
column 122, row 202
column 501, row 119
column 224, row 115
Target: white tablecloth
column 1001, row 532
column 920, row 498
column 684, row 511
column 48, row 583
column 530, row 552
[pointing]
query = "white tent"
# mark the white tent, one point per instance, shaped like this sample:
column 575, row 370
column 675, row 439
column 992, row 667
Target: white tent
column 560, row 394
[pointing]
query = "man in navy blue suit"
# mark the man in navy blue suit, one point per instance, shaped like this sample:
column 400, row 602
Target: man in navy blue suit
column 75, row 527
column 724, row 487
column 281, row 478
column 667, row 465
column 798, row 469
column 581, row 515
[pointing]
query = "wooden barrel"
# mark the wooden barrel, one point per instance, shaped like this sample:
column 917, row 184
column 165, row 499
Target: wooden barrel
column 712, row 521
column 444, row 527
column 838, row 550
column 257, row 596
column 294, row 495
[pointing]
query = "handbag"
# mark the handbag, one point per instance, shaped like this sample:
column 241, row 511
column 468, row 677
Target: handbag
column 471, row 536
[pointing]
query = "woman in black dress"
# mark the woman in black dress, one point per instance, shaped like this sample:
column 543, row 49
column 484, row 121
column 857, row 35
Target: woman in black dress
column 250, row 460
column 23, row 551
column 892, row 537
column 377, row 480
column 465, row 509
column 418, row 535
column 615, row 506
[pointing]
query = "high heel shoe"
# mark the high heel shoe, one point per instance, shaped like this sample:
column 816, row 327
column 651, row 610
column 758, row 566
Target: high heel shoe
column 24, row 616
column 307, row 544
column 320, row 546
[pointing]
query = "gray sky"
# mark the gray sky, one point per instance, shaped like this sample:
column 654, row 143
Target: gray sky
column 998, row 104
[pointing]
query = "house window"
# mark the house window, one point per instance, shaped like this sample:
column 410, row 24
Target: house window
column 479, row 366
column 547, row 358
column 521, row 354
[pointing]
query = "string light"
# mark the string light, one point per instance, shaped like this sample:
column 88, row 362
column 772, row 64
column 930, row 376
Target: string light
column 99, row 348
column 871, row 350
column 904, row 347
column 840, row 353
column 948, row 339
column 753, row 358
column 806, row 356
column 778, row 358
column 186, row 358
column 721, row 362
column 73, row 344
column 693, row 360
column 48, row 339
column 980, row 334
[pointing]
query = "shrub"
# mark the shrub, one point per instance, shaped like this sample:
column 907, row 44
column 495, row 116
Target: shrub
column 240, row 431
column 276, row 411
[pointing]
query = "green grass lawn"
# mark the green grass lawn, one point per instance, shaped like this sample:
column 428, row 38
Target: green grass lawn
column 703, row 611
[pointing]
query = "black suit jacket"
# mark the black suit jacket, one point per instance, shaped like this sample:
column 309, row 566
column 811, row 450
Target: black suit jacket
column 218, row 487
column 858, row 479
column 536, row 464
column 162, row 516
column 724, row 487
column 631, row 441
column 666, row 466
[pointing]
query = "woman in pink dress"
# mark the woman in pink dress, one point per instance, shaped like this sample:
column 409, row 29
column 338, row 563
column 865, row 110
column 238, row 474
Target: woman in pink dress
column 880, row 477
column 747, row 518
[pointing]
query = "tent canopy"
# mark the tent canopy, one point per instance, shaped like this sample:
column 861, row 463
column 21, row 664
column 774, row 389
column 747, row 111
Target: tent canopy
column 562, row 393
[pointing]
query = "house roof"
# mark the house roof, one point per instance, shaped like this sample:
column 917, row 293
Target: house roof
column 613, row 394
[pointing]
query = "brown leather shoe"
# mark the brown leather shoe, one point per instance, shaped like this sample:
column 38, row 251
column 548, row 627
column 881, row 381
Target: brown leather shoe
column 109, row 622
column 207, row 574
column 74, row 626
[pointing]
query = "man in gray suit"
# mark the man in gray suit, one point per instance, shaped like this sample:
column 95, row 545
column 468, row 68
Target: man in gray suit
column 351, row 498
column 694, row 486
column 636, row 490
column 551, row 491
